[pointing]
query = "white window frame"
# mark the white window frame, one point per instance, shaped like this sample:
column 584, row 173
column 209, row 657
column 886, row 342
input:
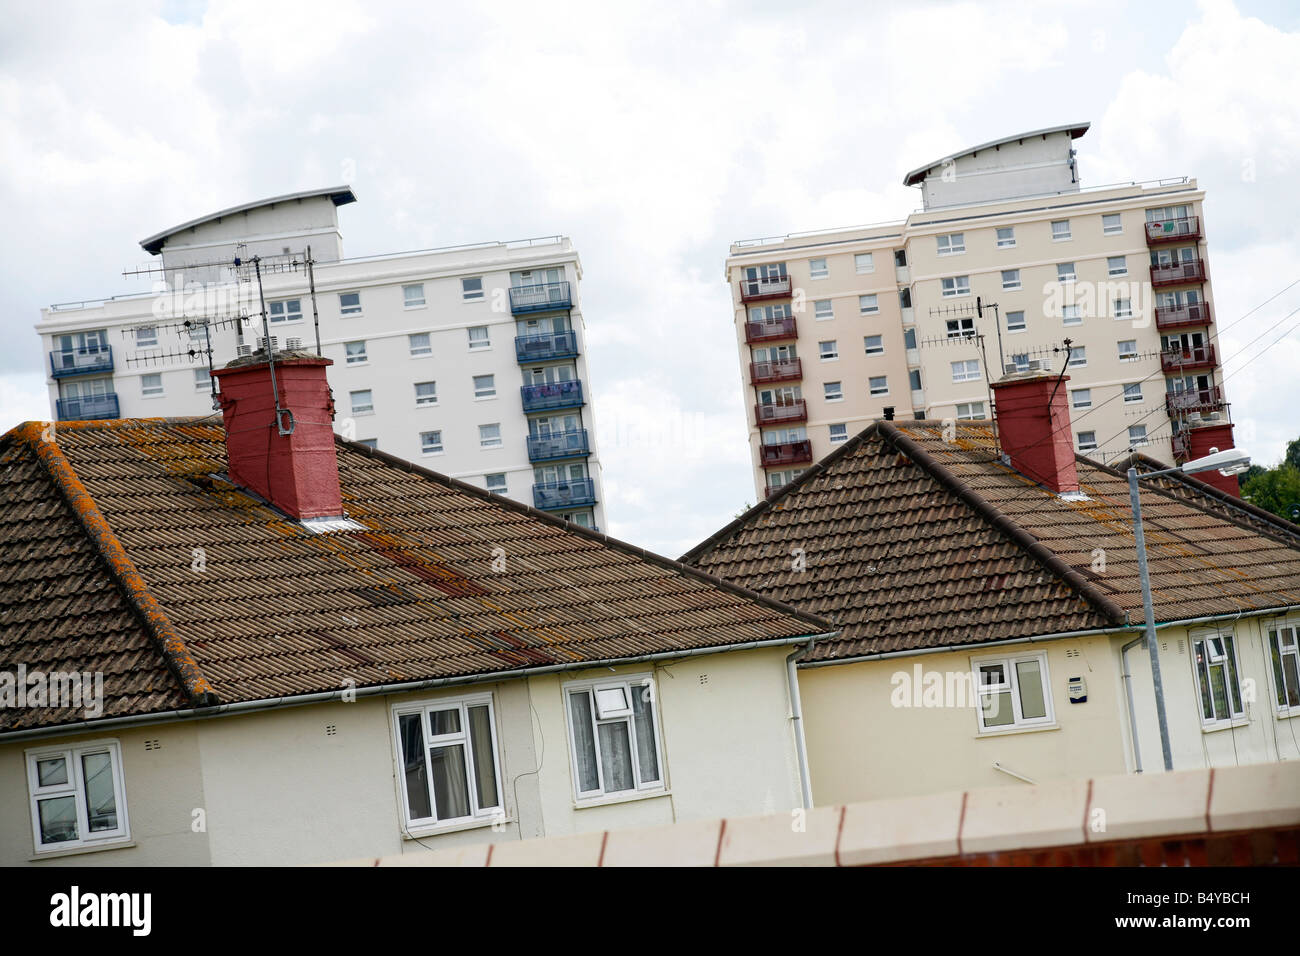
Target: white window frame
column 1089, row 445
column 1005, row 242
column 413, row 301
column 1126, row 356
column 969, row 411
column 819, row 314
column 818, row 272
column 355, row 358
column 1023, row 326
column 833, row 396
column 1062, row 235
column 1070, row 275
column 1131, row 397
column 352, row 403
column 481, row 815
column 960, row 285
column 76, row 788
column 500, row 489
column 425, row 351
column 146, row 337
column 490, row 442
column 630, row 684
column 425, row 401
column 1106, row 230
column 1011, row 285
column 477, row 345
column 429, row 449
column 1012, row 684
column 1123, row 266
column 1081, row 398
column 828, row 350
column 1082, row 351
column 287, row 316
column 150, row 392
column 836, row 437
column 202, row 379
column 1123, row 308
column 1277, row 666
column 965, row 375
column 871, row 388
column 864, row 263
column 346, row 310
column 470, row 295
column 869, row 304
column 1215, row 658
column 951, row 244
column 1071, row 314
column 482, row 393
column 879, row 348
column 1139, row 441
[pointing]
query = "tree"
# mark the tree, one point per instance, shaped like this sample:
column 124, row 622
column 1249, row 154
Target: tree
column 1276, row 489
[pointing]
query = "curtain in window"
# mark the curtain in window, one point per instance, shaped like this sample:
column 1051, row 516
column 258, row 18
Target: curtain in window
column 644, row 721
column 417, row 785
column 485, row 773
column 101, row 802
column 584, row 742
column 616, row 756
column 447, row 774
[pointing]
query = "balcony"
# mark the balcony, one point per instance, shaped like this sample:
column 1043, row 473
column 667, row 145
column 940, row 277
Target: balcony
column 1173, row 230
column 785, row 453
column 66, row 362
column 88, row 408
column 552, row 395
column 549, row 345
column 795, row 410
column 1194, row 400
column 782, row 328
column 788, row 370
column 544, row 297
column 768, row 287
column 1178, row 273
column 1183, row 317
column 552, row 496
column 1182, row 447
column 558, row 445
column 1176, row 361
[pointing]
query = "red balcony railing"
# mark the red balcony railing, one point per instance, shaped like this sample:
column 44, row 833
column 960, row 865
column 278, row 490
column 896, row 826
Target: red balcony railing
column 1177, row 273
column 785, row 453
column 768, row 331
column 794, row 410
column 1194, row 400
column 1181, row 360
column 1174, row 230
column 767, row 287
column 788, row 370
column 1183, row 316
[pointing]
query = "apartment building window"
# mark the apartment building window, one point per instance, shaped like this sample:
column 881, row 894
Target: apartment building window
column 1010, row 279
column 1016, row 321
column 1111, row 225
column 1078, row 357
column 362, row 401
column 356, row 352
column 369, row 442
column 1132, row 392
column 951, row 244
column 151, row 386
column 840, row 433
column 1013, row 691
column 1082, row 398
column 1123, row 308
column 1137, row 436
column 863, row 262
column 878, row 385
column 1071, row 315
column 448, row 754
column 413, row 296
column 873, row 344
column 818, row 269
column 495, row 484
column 202, row 380
column 349, row 303
column 1087, row 441
column 967, row 370
column 1065, row 272
column 485, row 386
column 1128, row 350
column 904, row 298
column 955, row 285
column 419, row 344
column 478, row 337
column 959, row 328
column 900, row 258
column 1060, row 230
column 833, row 392
column 823, row 310
column 969, row 411
column 489, row 436
column 77, row 795
column 471, row 288
column 426, row 393
column 431, row 442
column 828, row 351
column 1021, row 361
column 1007, row 238
column 146, row 337
column 909, row 337
column 868, row 304
column 285, row 310
column 1117, row 265
column 914, row 379
column 613, row 736
column 1215, row 657
column 1284, row 649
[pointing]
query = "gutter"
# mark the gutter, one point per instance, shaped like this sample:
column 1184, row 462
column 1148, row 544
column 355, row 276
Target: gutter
column 1132, row 711
column 796, row 714
column 275, row 703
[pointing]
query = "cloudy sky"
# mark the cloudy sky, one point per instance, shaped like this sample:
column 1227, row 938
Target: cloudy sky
column 653, row 134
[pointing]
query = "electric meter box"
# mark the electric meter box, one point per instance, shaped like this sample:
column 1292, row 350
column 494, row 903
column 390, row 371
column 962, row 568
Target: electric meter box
column 1078, row 690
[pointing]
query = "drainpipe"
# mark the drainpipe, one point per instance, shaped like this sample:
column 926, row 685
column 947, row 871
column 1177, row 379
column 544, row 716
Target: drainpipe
column 1132, row 712
column 796, row 713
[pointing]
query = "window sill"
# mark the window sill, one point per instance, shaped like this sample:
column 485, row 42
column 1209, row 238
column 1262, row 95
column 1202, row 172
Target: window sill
column 1007, row 731
column 414, row 308
column 870, row 312
column 620, row 798
column 150, row 398
column 357, row 414
column 77, row 851
column 426, row 405
column 1234, row 724
column 485, row 398
column 482, row 348
column 439, row 829
column 1287, row 714
column 357, row 364
column 431, row 454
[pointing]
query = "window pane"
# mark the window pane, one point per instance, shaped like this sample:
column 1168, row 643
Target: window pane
column 997, row 709
column 644, row 720
column 444, row 722
column 1230, row 668
column 1030, row 676
column 584, row 742
column 1219, row 691
column 616, row 757
column 485, row 770
column 417, row 784
column 51, row 772
column 991, row 674
column 447, row 771
column 101, row 804
column 58, row 817
column 1203, row 678
column 1292, row 677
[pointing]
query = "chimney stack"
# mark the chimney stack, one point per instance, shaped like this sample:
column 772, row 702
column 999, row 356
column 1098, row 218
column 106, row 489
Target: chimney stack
column 1204, row 440
column 1033, row 423
column 297, row 472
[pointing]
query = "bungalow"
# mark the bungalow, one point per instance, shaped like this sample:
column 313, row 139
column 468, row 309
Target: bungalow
column 242, row 640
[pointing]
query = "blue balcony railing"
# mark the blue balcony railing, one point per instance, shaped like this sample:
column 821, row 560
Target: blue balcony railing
column 550, row 345
column 543, row 297
column 65, row 362
column 566, row 494
column 541, row 398
column 558, row 445
column 88, row 408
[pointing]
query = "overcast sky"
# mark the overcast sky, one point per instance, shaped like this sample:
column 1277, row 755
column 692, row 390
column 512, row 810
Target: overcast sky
column 654, row 135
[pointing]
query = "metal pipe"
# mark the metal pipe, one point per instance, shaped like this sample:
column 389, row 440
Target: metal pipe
column 1149, row 616
column 1012, row 773
column 1132, row 712
column 796, row 714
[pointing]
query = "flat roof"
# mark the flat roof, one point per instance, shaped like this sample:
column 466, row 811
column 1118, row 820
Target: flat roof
column 341, row 195
column 1074, row 129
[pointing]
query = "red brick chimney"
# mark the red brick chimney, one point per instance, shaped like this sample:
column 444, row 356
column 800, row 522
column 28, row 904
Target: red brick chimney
column 1203, row 440
column 297, row 472
column 1034, row 428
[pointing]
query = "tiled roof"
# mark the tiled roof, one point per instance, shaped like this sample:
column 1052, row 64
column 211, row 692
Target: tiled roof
column 186, row 590
column 912, row 541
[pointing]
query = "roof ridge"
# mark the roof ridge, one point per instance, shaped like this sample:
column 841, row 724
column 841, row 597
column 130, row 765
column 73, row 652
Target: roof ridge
column 121, row 569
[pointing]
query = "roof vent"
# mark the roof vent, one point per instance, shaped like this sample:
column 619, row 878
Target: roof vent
column 243, row 350
column 271, row 342
column 293, row 344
